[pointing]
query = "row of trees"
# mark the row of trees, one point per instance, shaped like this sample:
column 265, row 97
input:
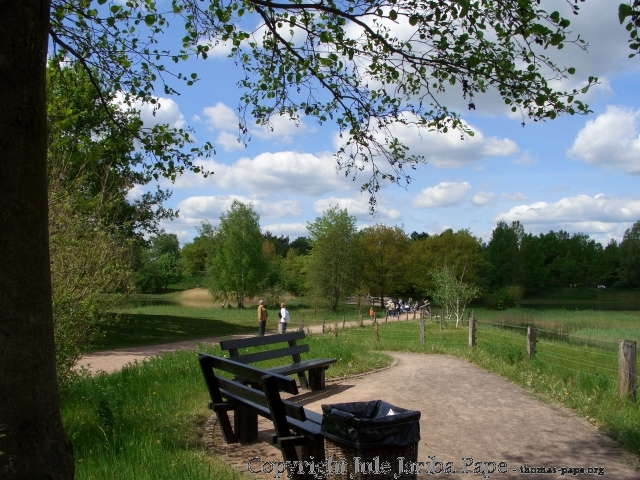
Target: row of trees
column 336, row 259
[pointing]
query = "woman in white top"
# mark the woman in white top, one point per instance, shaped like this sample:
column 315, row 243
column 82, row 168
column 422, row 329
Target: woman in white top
column 284, row 318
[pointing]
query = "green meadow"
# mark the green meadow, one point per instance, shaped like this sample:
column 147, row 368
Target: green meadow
column 146, row 421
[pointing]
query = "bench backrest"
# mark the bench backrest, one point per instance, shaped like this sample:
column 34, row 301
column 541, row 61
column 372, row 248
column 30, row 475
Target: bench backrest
column 293, row 348
column 235, row 390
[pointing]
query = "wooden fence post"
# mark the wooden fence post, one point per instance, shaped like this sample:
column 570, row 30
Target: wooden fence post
column 335, row 330
column 375, row 330
column 627, row 370
column 301, row 325
column 422, row 330
column 323, row 325
column 375, row 319
column 531, row 342
column 472, row 332
column 361, row 321
column 386, row 315
column 414, row 313
column 343, row 320
column 407, row 315
column 441, row 318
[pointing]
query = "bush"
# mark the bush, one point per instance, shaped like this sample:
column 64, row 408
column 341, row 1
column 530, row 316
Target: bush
column 505, row 298
column 89, row 277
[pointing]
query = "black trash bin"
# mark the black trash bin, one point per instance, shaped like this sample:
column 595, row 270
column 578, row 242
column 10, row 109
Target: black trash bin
column 371, row 440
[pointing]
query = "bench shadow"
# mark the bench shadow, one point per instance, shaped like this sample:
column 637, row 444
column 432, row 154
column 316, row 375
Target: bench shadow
column 329, row 391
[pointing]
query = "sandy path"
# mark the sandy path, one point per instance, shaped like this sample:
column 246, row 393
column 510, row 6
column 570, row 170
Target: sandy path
column 467, row 412
column 113, row 360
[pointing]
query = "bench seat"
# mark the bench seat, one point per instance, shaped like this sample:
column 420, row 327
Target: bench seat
column 294, row 425
column 316, row 367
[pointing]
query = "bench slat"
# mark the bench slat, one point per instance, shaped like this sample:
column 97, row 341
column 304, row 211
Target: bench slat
column 271, row 354
column 247, row 372
column 258, row 341
column 258, row 397
column 303, row 366
column 307, row 428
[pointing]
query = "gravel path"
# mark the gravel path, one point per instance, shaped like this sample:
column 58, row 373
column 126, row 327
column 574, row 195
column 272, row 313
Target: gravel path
column 467, row 413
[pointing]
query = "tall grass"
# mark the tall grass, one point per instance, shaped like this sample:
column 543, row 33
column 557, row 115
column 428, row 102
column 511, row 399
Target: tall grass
column 145, row 422
column 578, row 373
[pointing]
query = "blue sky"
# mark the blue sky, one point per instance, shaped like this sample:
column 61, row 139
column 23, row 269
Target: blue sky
column 578, row 174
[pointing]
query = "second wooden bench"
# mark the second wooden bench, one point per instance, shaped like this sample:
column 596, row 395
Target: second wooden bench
column 316, row 367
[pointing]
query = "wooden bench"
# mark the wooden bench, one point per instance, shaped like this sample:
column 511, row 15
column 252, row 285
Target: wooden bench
column 294, row 426
column 316, row 367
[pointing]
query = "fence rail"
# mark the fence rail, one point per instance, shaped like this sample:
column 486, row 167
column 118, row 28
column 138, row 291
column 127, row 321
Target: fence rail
column 613, row 361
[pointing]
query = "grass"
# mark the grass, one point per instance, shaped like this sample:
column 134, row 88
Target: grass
column 145, row 422
column 578, row 373
column 149, row 329
column 180, row 315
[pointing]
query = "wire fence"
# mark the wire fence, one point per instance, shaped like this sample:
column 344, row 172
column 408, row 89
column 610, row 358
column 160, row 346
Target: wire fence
column 577, row 356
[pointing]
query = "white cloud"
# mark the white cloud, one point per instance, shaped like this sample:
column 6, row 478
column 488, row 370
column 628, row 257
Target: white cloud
column 445, row 194
column 220, row 117
column 612, row 140
column 526, row 159
column 229, row 142
column 292, row 230
column 483, row 198
column 272, row 173
column 281, row 128
column 195, row 209
column 358, row 207
column 447, row 150
column 598, row 214
column 515, row 197
column 165, row 111
column 199, row 208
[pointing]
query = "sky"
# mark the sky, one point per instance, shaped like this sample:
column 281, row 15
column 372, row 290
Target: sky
column 575, row 173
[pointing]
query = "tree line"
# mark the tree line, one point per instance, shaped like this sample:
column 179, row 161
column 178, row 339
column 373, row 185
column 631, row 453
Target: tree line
column 336, row 259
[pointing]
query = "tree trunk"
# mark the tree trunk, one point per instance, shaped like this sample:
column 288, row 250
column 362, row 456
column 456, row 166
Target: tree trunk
column 32, row 440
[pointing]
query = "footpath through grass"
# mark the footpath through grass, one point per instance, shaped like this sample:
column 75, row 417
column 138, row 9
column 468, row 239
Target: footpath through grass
column 579, row 373
column 145, row 422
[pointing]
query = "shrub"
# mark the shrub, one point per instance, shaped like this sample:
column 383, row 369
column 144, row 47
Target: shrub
column 505, row 298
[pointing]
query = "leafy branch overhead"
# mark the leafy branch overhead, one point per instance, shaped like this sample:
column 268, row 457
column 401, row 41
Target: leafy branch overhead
column 367, row 65
column 630, row 12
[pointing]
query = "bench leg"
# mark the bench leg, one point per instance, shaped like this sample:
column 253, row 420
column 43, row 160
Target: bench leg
column 316, row 379
column 245, row 424
column 303, row 381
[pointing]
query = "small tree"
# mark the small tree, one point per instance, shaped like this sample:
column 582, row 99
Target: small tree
column 333, row 264
column 237, row 265
column 452, row 293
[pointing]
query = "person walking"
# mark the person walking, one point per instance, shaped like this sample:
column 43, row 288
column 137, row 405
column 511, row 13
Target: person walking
column 284, row 318
column 262, row 318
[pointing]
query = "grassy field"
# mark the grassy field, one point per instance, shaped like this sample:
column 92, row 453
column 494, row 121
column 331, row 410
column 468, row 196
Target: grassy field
column 145, row 422
column 179, row 315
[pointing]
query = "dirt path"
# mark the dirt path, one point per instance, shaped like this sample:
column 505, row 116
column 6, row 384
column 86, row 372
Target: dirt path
column 467, row 412
column 113, row 360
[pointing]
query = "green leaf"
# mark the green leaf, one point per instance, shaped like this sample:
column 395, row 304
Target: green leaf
column 571, row 71
column 150, row 20
column 393, row 15
column 624, row 11
column 540, row 100
column 413, row 20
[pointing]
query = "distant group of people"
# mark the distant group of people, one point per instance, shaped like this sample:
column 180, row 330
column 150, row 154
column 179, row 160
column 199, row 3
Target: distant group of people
column 263, row 314
column 397, row 308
